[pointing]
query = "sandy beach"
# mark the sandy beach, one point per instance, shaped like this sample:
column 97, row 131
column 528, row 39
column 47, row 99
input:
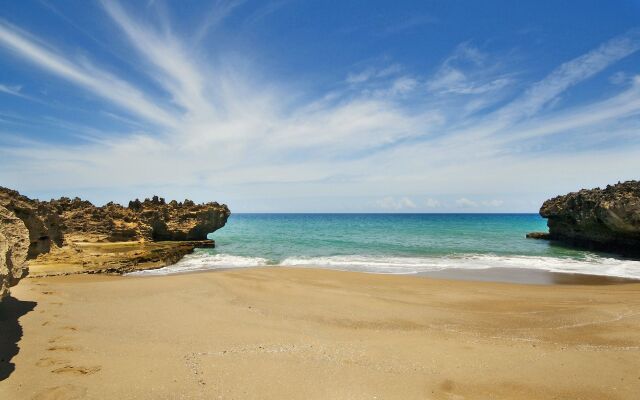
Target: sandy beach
column 274, row 333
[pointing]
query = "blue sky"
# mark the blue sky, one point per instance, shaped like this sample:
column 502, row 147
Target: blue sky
column 320, row 106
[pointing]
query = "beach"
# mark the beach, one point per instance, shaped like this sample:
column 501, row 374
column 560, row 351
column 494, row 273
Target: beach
column 303, row 333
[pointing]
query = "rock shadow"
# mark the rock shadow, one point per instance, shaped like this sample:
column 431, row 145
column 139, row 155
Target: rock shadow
column 11, row 309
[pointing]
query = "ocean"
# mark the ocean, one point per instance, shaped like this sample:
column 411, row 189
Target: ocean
column 394, row 244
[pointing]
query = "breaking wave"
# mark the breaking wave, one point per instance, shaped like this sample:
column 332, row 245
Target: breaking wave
column 590, row 264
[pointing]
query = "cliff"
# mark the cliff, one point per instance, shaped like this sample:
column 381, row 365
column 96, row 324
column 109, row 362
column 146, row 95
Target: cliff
column 72, row 235
column 601, row 219
column 14, row 245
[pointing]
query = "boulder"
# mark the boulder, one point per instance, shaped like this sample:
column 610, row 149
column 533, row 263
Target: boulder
column 538, row 235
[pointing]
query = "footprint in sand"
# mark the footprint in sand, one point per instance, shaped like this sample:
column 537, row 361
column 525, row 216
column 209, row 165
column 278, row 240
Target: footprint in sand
column 447, row 385
column 48, row 362
column 57, row 339
column 45, row 323
column 72, row 370
column 61, row 348
column 70, row 328
column 66, row 392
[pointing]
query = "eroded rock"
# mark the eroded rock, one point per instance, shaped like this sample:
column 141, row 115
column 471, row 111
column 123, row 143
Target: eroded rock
column 43, row 223
column 72, row 235
column 14, row 246
column 601, row 219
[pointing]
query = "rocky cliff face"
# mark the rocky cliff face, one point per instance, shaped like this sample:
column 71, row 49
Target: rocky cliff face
column 42, row 222
column 602, row 219
column 14, row 245
column 73, row 235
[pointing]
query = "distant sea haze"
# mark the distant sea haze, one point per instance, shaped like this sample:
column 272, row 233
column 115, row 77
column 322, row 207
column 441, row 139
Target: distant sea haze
column 394, row 244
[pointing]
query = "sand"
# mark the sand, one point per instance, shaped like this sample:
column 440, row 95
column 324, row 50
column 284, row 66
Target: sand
column 278, row 333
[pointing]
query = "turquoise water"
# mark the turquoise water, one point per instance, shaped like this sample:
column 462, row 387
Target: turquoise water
column 280, row 236
column 394, row 243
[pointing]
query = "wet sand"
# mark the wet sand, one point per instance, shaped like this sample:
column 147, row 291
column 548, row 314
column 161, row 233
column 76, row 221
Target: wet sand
column 274, row 333
column 526, row 276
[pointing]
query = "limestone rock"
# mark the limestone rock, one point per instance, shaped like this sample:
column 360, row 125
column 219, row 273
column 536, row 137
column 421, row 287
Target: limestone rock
column 602, row 219
column 59, row 222
column 112, row 258
column 72, row 235
column 43, row 223
column 14, row 245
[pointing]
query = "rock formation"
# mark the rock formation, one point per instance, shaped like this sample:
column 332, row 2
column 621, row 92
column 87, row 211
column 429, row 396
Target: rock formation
column 14, row 245
column 43, row 224
column 72, row 235
column 601, row 219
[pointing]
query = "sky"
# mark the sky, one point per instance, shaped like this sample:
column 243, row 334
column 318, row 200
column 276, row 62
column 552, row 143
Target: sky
column 320, row 106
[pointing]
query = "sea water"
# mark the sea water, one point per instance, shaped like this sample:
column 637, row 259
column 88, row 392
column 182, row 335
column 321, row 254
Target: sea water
column 394, row 244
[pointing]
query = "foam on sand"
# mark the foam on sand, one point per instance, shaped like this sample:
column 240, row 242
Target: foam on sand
column 591, row 264
column 203, row 262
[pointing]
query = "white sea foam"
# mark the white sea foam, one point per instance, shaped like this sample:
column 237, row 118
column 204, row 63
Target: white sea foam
column 204, row 262
column 592, row 265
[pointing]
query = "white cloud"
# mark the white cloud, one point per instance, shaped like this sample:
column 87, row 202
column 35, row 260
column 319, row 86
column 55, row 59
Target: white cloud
column 373, row 73
column 492, row 203
column 176, row 71
column 221, row 9
column 93, row 79
column 575, row 71
column 619, row 78
column 467, row 72
column 431, row 203
column 391, row 203
column 463, row 202
column 230, row 135
column 12, row 90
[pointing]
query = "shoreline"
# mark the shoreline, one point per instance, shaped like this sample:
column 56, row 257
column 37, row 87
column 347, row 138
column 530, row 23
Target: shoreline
column 286, row 332
column 525, row 276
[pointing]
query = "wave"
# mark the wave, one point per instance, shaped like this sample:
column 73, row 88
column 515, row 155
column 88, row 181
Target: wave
column 590, row 265
column 204, row 262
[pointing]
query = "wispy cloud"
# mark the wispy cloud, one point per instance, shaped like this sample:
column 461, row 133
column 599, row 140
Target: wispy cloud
column 167, row 56
column 468, row 71
column 220, row 10
column 382, row 133
column 83, row 74
column 373, row 73
column 265, row 10
column 409, row 23
column 14, row 90
column 390, row 203
column 573, row 72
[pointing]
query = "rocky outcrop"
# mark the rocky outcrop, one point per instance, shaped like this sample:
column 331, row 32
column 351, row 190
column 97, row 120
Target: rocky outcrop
column 151, row 219
column 601, row 219
column 112, row 258
column 43, row 223
column 72, row 235
column 14, row 245
column 538, row 235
